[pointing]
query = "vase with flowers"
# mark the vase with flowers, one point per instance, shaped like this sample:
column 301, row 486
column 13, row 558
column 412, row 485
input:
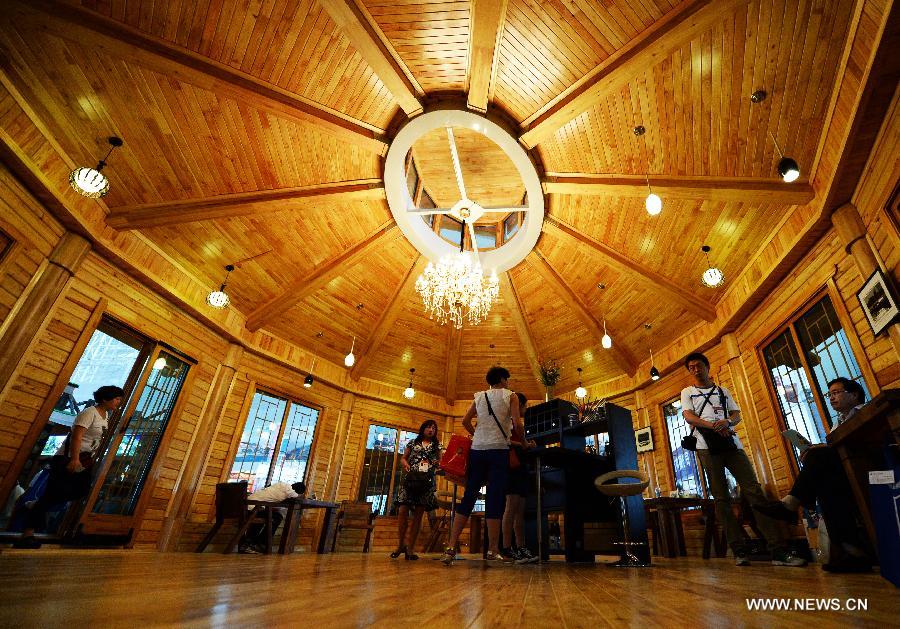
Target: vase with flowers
column 550, row 374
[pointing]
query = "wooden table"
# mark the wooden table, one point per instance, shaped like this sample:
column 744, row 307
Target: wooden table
column 295, row 507
column 860, row 442
column 671, row 531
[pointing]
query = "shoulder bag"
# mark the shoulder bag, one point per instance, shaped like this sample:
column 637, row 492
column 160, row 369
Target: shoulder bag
column 514, row 461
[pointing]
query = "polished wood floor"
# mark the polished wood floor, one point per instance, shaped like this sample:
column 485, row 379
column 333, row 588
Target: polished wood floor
column 80, row 588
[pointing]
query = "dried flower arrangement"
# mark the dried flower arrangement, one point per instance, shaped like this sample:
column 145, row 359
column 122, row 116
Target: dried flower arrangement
column 551, row 371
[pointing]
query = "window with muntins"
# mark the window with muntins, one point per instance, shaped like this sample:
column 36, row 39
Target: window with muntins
column 276, row 442
column 380, row 477
column 801, row 360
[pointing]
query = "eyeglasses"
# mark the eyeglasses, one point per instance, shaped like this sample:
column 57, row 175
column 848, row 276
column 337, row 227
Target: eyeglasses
column 834, row 393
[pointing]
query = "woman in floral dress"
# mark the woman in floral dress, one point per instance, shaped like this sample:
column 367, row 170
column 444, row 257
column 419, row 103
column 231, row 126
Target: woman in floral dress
column 420, row 462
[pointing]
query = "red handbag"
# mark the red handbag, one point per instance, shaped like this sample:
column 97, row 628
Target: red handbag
column 455, row 460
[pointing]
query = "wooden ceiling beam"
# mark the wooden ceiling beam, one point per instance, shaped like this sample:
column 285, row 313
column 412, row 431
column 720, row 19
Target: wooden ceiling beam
column 664, row 285
column 130, row 44
column 676, row 28
column 240, row 204
column 520, row 321
column 542, row 266
column 387, row 319
column 302, row 287
column 454, row 343
column 715, row 189
column 374, row 49
column 486, row 26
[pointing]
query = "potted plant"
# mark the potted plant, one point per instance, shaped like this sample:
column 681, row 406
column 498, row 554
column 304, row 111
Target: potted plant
column 550, row 374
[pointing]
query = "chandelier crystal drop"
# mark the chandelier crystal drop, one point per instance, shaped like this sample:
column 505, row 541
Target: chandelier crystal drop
column 455, row 289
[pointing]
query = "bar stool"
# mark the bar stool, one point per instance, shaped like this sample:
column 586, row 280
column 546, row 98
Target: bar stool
column 623, row 491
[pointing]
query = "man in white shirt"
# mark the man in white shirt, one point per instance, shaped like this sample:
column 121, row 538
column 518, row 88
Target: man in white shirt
column 712, row 413
column 255, row 540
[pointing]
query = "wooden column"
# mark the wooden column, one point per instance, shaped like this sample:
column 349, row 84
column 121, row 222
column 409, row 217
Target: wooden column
column 188, row 483
column 851, row 230
column 29, row 315
column 646, row 459
column 750, row 418
column 341, row 436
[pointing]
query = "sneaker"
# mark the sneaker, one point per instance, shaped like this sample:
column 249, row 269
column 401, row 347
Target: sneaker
column 741, row 557
column 783, row 557
column 29, row 543
column 250, row 550
column 497, row 559
column 448, row 556
column 526, row 556
column 775, row 509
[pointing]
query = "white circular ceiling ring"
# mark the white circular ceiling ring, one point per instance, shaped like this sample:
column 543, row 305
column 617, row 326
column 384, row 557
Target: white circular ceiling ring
column 417, row 231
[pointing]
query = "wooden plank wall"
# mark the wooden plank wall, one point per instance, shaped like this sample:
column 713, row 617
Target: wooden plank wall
column 826, row 262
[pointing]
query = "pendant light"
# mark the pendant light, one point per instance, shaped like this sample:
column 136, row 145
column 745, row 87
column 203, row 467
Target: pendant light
column 90, row 182
column 653, row 203
column 349, row 359
column 712, row 276
column 787, row 167
column 219, row 298
column 654, row 372
column 580, row 392
column 606, row 341
column 159, row 363
column 410, row 393
column 308, row 381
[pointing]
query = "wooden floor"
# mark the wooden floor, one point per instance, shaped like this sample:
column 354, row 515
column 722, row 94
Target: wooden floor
column 74, row 588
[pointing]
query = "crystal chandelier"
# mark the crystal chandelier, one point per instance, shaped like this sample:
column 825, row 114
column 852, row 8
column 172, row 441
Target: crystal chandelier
column 455, row 289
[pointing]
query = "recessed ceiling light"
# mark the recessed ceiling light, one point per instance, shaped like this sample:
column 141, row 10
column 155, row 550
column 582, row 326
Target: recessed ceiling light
column 601, row 286
column 758, row 96
column 639, row 130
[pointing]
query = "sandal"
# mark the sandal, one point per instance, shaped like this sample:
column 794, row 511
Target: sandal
column 398, row 552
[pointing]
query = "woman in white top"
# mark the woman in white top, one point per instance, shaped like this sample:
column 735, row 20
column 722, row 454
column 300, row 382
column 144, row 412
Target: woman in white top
column 70, row 470
column 496, row 409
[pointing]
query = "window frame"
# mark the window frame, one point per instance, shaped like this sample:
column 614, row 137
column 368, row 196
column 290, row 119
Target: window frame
column 673, row 474
column 360, row 473
column 831, row 291
column 247, row 404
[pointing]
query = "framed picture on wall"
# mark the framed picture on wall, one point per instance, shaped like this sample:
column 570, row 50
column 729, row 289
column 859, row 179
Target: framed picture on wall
column 878, row 302
column 644, row 439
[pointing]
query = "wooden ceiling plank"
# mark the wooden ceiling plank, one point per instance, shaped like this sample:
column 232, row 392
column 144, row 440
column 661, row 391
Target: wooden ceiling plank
column 387, row 319
column 487, row 28
column 302, row 287
column 676, row 28
column 624, row 358
column 375, row 50
column 670, row 289
column 520, row 321
column 238, row 204
column 712, row 189
column 454, row 343
column 125, row 42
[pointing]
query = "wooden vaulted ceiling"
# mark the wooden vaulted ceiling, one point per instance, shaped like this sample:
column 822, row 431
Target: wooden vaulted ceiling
column 260, row 128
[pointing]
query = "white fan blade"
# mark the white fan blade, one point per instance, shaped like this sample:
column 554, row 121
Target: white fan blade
column 504, row 209
column 426, row 211
column 455, row 156
column 472, row 236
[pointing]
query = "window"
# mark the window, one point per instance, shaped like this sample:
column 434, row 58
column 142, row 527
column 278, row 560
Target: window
column 276, row 443
column 384, row 447
column 451, row 230
column 486, row 236
column 801, row 359
column 684, row 462
column 426, row 203
column 510, row 226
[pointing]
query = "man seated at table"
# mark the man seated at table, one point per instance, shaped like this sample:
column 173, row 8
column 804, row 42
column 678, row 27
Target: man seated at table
column 822, row 479
column 254, row 542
